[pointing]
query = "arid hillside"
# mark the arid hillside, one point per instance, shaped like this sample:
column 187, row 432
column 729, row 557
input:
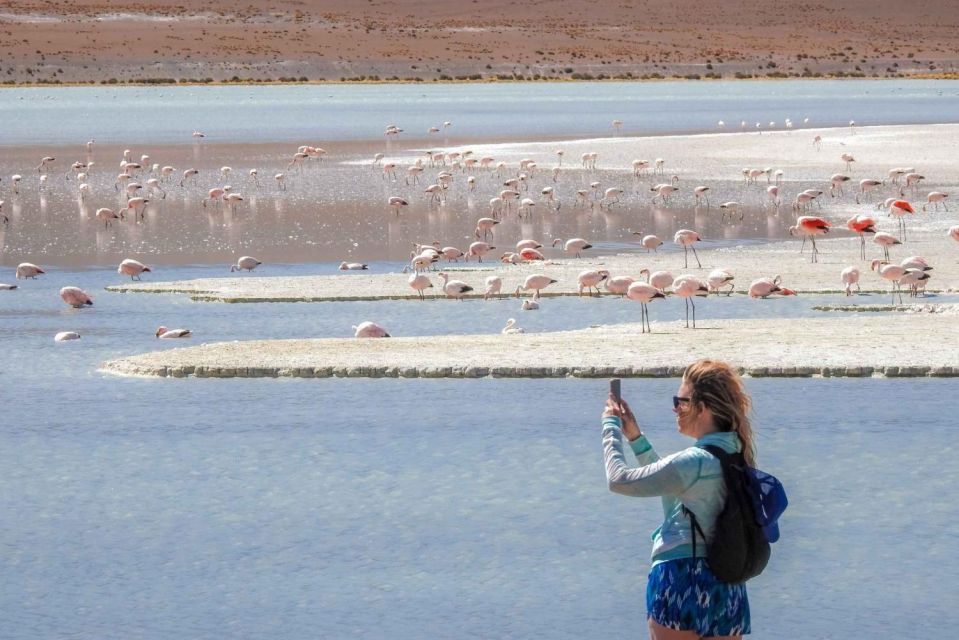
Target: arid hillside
column 49, row 41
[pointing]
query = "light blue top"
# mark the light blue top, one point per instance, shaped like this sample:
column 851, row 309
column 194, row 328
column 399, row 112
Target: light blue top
column 692, row 477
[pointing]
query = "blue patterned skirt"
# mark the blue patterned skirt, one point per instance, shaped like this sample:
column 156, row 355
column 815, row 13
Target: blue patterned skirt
column 684, row 594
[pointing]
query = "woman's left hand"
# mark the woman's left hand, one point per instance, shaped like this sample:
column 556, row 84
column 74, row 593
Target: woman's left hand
column 612, row 408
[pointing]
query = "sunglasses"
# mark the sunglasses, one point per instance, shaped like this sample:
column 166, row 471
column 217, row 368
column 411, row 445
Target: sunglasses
column 677, row 400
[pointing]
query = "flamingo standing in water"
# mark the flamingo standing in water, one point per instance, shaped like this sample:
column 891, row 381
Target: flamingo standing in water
column 686, row 238
column 535, row 283
column 810, row 227
column 934, row 198
column 419, row 282
column 590, row 280
column 865, row 186
column 494, row 284
column 573, row 245
column 885, row 240
column 76, row 297
column 689, row 286
column 171, row 334
column 849, row 277
column 511, row 328
column 701, row 193
column 486, row 226
column 899, row 209
column 132, row 268
column 861, row 225
column 618, row 285
column 719, row 278
column 247, row 263
column 954, row 233
column 27, row 270
column 892, row 273
column 478, row 249
column 644, row 293
column 369, row 330
column 649, row 242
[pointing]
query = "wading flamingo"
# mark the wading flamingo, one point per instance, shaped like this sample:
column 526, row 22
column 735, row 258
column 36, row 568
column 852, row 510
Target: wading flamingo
column 719, row 278
column 686, row 238
column 849, row 277
column 247, row 263
column 170, row 334
column 76, row 297
column 885, row 240
column 27, row 270
column 132, row 268
column 511, row 328
column 765, row 287
column 810, row 227
column 494, row 284
column 454, row 288
column 369, row 330
column 934, row 198
column 688, row 287
column 861, row 225
column 644, row 293
column 590, row 279
column 535, row 283
column 574, row 245
column 891, row 272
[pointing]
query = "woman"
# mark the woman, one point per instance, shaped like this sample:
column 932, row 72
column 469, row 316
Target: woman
column 684, row 600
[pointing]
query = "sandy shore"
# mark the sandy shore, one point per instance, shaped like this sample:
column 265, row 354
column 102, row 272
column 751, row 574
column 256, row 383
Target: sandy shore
column 860, row 346
column 427, row 40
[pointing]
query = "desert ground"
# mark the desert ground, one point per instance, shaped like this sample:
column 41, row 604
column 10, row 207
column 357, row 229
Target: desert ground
column 428, row 40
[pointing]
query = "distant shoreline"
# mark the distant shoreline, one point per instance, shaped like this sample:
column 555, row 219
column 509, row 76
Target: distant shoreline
column 180, row 82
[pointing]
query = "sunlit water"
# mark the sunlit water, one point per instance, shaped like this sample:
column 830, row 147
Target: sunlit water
column 322, row 113
column 352, row 508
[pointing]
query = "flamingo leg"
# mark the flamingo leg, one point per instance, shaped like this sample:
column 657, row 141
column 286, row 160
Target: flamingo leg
column 697, row 257
column 694, row 311
column 686, row 255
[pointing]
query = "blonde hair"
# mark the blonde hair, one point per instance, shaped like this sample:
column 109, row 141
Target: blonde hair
column 719, row 387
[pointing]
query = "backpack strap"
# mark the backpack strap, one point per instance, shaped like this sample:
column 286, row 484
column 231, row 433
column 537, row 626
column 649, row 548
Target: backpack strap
column 725, row 459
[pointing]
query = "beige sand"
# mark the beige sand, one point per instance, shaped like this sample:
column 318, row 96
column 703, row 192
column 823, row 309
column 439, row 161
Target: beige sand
column 429, row 39
column 859, row 346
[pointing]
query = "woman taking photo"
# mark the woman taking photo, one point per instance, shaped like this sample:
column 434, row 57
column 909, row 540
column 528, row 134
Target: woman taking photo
column 684, row 600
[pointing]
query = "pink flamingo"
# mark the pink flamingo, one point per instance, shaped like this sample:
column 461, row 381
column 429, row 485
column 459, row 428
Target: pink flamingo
column 686, row 238
column 689, row 286
column 649, row 242
column 494, row 285
column 659, row 279
column 954, row 233
column 419, row 282
column 132, row 268
column 108, row 216
column 169, row 334
column 478, row 249
column 396, row 203
column 719, row 278
column 810, row 227
column 618, row 285
column 528, row 244
column 765, row 287
column 849, row 277
column 486, row 226
column 861, row 225
column 574, row 245
column 934, row 198
column 535, row 283
column 590, row 280
column 454, row 288
column 885, row 240
column 369, row 330
column 247, row 263
column 76, row 297
column 644, row 293
column 28, row 270
column 892, row 273
column 865, row 186
column 701, row 193
column 835, row 184
column 531, row 255
column 899, row 209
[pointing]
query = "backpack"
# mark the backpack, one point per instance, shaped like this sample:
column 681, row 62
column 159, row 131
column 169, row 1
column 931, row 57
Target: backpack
column 747, row 523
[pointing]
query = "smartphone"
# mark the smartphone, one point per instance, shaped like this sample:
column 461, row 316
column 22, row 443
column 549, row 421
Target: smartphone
column 615, row 388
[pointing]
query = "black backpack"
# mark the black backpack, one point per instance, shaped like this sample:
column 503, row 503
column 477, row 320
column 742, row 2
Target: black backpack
column 739, row 549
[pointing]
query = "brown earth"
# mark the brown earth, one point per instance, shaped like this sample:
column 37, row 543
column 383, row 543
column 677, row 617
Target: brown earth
column 82, row 41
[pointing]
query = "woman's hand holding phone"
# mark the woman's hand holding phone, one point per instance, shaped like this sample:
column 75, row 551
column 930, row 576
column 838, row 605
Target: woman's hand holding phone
column 621, row 409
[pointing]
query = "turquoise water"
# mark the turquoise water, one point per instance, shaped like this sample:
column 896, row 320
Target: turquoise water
column 316, row 114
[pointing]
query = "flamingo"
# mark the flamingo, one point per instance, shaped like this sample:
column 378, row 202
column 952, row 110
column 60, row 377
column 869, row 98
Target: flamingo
column 911, row 180
column 659, row 279
column 649, row 242
column 419, row 282
column 835, row 183
column 865, row 186
column 486, row 226
column 353, row 266
column 914, row 279
column 640, row 167
column 452, row 254
column 246, row 262
column 611, row 197
column 885, row 240
column 108, row 216
column 765, row 287
column 8, row 287
column 772, row 193
column 454, row 288
column 478, row 249
column 232, row 199
column 849, row 277
column 861, row 225
column 810, row 227
column 644, row 293
column 618, row 285
column 76, row 297
column 730, row 209
column 27, row 270
column 934, row 198
column 189, row 174
column 719, row 278
column 701, row 193
column 170, row 334
column 899, row 209
column 48, row 160
column 535, row 283
column 511, row 258
column 574, row 245
column 528, row 244
column 663, row 191
column 531, row 255
column 954, row 233
column 590, row 280
column 494, row 284
column 369, row 330
column 65, row 336
column 686, row 238
column 529, row 305
column 689, row 286
column 138, row 207
column 132, row 268
column 435, row 192
column 511, row 328
column 15, row 182
column 154, row 184
column 817, row 142
column 423, row 261
column 892, row 273
column 848, row 159
column 396, row 203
